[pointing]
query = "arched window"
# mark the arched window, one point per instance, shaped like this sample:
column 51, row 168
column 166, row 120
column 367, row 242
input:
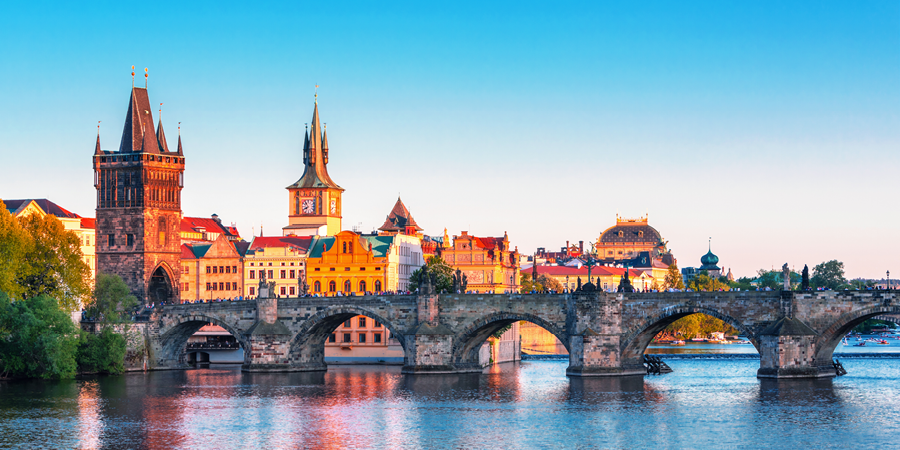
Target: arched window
column 351, row 247
column 345, row 247
column 377, row 285
column 317, row 286
column 362, row 286
column 332, row 286
column 347, row 286
column 297, row 204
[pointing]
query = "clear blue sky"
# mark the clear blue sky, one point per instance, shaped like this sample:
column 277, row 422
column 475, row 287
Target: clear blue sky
column 773, row 127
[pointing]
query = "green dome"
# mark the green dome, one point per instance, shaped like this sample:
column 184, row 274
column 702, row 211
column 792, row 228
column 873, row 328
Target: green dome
column 709, row 260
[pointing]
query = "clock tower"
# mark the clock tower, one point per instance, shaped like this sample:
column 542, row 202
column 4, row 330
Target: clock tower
column 314, row 201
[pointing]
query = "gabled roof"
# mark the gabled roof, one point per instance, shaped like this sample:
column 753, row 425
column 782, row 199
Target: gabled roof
column 380, row 245
column 191, row 224
column 138, row 134
column 88, row 223
column 195, row 250
column 16, row 206
column 161, row 136
column 399, row 219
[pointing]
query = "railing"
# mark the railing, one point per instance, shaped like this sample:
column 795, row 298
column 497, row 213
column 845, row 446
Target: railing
column 213, row 346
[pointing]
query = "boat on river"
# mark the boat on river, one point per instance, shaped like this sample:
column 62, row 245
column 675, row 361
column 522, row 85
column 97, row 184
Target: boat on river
column 677, row 342
column 860, row 344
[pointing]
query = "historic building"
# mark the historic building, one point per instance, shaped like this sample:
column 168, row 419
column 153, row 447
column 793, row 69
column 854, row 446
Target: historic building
column 207, row 229
column 487, row 262
column 628, row 239
column 349, row 264
column 83, row 227
column 314, row 201
column 604, row 278
column 281, row 259
column 708, row 264
column 211, row 270
column 139, row 206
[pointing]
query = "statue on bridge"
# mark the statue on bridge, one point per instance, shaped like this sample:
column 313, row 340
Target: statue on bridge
column 625, row 283
column 786, row 277
column 460, row 281
column 302, row 287
column 266, row 289
column 804, row 279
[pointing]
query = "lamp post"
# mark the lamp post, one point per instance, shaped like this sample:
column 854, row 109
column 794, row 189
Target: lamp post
column 889, row 279
column 567, row 283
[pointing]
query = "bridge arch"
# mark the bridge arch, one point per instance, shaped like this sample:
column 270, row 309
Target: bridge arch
column 174, row 339
column 467, row 343
column 307, row 350
column 635, row 343
column 831, row 336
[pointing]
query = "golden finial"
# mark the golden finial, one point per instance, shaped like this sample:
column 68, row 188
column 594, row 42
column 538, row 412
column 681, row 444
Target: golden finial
column 317, row 93
column 179, row 128
column 146, row 75
column 160, row 111
column 98, row 128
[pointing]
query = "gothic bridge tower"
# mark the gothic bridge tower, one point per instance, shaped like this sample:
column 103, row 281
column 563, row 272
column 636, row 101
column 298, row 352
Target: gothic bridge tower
column 139, row 206
column 314, row 201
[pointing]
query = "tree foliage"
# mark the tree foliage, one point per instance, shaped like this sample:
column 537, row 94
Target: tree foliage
column 13, row 245
column 673, row 278
column 544, row 283
column 705, row 283
column 37, row 338
column 697, row 325
column 829, row 274
column 441, row 268
column 112, row 300
column 103, row 352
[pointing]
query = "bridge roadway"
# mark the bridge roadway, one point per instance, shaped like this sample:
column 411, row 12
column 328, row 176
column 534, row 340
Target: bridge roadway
column 606, row 334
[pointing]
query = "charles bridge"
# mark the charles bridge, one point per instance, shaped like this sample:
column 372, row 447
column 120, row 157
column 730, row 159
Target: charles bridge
column 606, row 334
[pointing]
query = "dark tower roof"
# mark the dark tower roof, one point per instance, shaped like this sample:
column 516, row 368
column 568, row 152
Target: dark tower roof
column 161, row 136
column 138, row 136
column 97, row 150
column 315, row 157
column 180, row 151
column 399, row 219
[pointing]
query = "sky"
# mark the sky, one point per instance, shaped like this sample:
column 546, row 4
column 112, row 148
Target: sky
column 772, row 128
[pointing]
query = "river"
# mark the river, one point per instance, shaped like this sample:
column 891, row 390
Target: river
column 704, row 403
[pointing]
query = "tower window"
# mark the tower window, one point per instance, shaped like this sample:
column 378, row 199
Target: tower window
column 111, row 241
column 162, row 231
column 130, row 239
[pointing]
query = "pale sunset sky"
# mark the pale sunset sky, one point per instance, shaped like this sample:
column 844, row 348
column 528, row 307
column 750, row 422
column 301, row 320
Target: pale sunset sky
column 772, row 127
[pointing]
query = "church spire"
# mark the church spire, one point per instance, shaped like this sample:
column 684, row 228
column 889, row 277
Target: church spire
column 325, row 144
column 315, row 156
column 307, row 157
column 180, row 151
column 97, row 150
column 137, row 135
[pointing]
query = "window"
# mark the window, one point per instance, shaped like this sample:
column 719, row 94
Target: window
column 362, row 338
column 282, row 264
column 331, row 269
column 362, row 322
column 348, row 324
column 317, row 286
column 207, row 287
column 332, row 286
column 252, row 274
column 227, row 269
column 347, row 286
column 283, row 274
column 233, row 269
column 270, row 264
column 362, row 269
column 215, row 269
column 251, row 264
column 130, row 239
column 332, row 338
column 262, row 274
column 377, row 285
column 187, row 270
column 271, row 274
column 221, row 286
column 291, row 290
column 347, row 337
column 346, row 269
column 376, row 338
column 283, row 291
column 293, row 274
column 221, row 269
column 378, row 268
column 362, row 286
column 317, row 270
column 162, row 231
column 377, row 324
column 345, row 247
column 187, row 287
column 252, row 290
column 208, row 269
column 111, row 240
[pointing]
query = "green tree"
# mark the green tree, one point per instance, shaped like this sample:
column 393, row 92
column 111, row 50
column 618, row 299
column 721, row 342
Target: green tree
column 705, row 283
column 673, row 278
column 697, row 325
column 549, row 283
column 13, row 246
column 768, row 279
column 52, row 263
column 112, row 300
column 103, row 352
column 742, row 283
column 435, row 265
column 829, row 274
column 37, row 338
column 527, row 285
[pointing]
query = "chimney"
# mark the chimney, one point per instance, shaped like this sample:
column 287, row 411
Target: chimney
column 581, row 246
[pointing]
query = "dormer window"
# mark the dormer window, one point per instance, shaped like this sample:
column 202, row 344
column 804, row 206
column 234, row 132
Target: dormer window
column 640, row 234
column 621, row 233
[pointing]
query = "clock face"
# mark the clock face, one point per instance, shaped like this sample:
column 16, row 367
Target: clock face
column 333, row 206
column 309, row 206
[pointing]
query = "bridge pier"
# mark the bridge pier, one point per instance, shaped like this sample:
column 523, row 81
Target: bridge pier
column 787, row 349
column 269, row 340
column 597, row 355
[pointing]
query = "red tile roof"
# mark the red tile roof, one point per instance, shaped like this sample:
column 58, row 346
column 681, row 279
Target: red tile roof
column 301, row 243
column 583, row 271
column 88, row 223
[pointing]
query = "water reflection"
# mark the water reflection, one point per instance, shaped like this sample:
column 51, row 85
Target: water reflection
column 518, row 405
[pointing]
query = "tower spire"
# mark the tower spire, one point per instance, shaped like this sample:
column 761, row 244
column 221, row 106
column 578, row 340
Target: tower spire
column 161, row 134
column 325, row 144
column 180, row 151
column 97, row 150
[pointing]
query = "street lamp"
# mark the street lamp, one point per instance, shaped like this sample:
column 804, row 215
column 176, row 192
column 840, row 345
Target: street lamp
column 567, row 283
column 889, row 279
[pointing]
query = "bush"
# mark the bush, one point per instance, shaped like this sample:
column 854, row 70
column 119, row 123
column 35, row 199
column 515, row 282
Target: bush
column 102, row 353
column 37, row 339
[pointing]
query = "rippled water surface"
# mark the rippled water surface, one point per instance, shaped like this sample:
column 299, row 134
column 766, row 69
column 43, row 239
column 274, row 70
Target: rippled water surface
column 703, row 404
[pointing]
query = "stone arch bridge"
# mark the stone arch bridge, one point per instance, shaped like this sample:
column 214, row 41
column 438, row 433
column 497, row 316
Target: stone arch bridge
column 606, row 333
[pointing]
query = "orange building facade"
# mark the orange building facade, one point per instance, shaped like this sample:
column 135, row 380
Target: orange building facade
column 487, row 262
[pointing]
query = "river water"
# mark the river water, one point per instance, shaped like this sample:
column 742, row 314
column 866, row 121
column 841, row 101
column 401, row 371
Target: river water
column 705, row 403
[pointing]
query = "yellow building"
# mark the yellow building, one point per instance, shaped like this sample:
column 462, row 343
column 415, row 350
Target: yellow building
column 607, row 277
column 281, row 258
column 628, row 238
column 487, row 262
column 314, row 201
column 349, row 263
column 211, row 270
